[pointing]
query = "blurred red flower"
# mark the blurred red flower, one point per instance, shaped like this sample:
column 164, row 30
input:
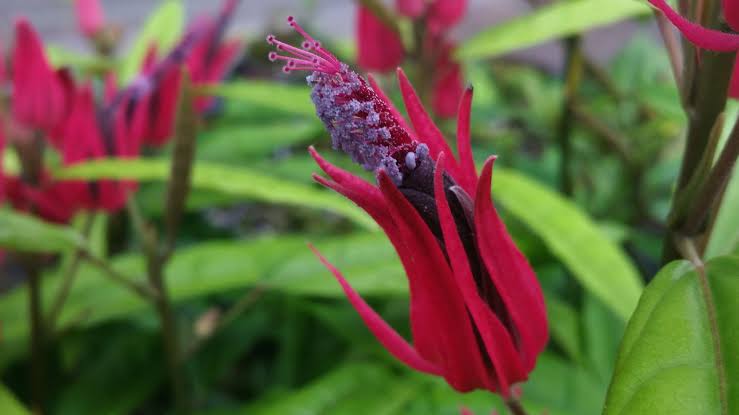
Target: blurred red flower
column 90, row 17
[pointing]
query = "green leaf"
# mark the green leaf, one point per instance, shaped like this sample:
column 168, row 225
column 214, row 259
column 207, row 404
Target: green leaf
column 242, row 142
column 162, row 30
column 725, row 235
column 597, row 263
column 564, row 327
column 349, row 389
column 667, row 361
column 22, row 232
column 277, row 96
column 229, row 180
column 9, row 404
column 562, row 18
column 280, row 263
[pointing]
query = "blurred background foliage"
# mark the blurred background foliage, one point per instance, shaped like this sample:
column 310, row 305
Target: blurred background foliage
column 265, row 327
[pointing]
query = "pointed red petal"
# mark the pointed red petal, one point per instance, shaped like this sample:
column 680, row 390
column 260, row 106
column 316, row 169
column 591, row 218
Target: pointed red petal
column 510, row 272
column 426, row 131
column 464, row 142
column 410, row 8
column 439, row 318
column 447, row 90
column 497, row 340
column 386, row 335
column 444, row 14
column 697, row 34
column 731, row 13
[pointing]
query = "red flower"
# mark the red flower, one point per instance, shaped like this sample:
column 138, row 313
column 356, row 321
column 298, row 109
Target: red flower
column 212, row 56
column 448, row 84
column 40, row 94
column 444, row 14
column 379, row 47
column 90, row 17
column 477, row 311
column 90, row 135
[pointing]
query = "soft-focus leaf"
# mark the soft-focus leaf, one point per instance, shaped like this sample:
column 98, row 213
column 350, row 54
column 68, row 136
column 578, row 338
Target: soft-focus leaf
column 286, row 98
column 280, row 263
column 725, row 234
column 599, row 264
column 9, row 404
column 602, row 332
column 667, row 362
column 564, row 327
column 547, row 23
column 22, row 232
column 349, row 389
column 230, row 180
column 162, row 30
column 243, row 142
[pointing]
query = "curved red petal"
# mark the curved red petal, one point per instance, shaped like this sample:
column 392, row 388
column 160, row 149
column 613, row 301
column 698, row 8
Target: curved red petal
column 698, row 35
column 386, row 335
column 426, row 131
column 444, row 321
column 510, row 272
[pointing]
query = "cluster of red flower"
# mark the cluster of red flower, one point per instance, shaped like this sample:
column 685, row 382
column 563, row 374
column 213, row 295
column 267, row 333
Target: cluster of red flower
column 49, row 108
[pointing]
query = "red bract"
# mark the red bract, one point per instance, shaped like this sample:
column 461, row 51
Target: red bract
column 40, row 94
column 444, row 14
column 476, row 309
column 379, row 47
column 410, row 8
column 89, row 136
column 90, row 18
column 50, row 200
column 212, row 56
column 448, row 84
column 700, row 36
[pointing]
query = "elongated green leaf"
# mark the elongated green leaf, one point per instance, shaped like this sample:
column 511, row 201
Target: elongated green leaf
column 599, row 264
column 280, row 263
column 679, row 353
column 725, row 235
column 9, row 405
column 243, row 142
column 547, row 23
column 162, row 30
column 26, row 233
column 230, row 180
column 280, row 97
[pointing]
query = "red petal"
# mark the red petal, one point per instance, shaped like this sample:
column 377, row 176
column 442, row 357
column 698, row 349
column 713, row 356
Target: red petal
column 444, row 14
column 698, row 35
column 90, row 16
column 510, row 272
column 731, row 13
column 426, row 131
column 439, row 317
column 464, row 142
column 734, row 85
column 386, row 335
column 410, row 8
column 379, row 47
column 496, row 338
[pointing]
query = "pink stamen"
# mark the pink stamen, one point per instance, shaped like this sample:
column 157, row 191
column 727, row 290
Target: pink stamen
column 303, row 59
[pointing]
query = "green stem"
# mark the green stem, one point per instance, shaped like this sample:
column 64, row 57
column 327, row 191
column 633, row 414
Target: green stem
column 38, row 336
column 573, row 76
column 515, row 407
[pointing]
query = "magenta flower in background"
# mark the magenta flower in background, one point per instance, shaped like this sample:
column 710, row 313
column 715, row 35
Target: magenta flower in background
column 41, row 95
column 476, row 309
column 380, row 48
column 90, row 17
column 700, row 36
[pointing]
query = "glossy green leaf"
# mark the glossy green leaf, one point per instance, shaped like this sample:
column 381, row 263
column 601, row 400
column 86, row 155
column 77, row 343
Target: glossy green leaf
column 22, row 232
column 547, row 23
column 281, row 97
column 234, row 181
column 9, row 404
column 679, row 354
column 162, row 30
column 597, row 263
